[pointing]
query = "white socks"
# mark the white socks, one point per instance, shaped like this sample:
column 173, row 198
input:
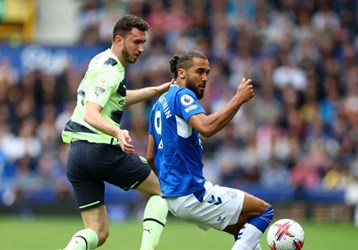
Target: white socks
column 85, row 239
column 154, row 219
column 248, row 239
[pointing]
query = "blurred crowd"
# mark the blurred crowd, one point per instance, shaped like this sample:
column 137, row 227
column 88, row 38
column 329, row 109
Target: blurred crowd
column 300, row 131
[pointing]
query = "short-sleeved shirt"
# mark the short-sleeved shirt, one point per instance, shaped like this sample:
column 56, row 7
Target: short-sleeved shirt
column 103, row 84
column 178, row 150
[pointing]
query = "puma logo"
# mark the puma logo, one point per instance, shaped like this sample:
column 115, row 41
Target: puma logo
column 148, row 230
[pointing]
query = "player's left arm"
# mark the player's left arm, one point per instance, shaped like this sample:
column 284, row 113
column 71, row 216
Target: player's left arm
column 139, row 95
column 208, row 125
column 150, row 153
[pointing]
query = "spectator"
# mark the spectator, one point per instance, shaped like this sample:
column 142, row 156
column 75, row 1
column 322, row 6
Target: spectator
column 301, row 55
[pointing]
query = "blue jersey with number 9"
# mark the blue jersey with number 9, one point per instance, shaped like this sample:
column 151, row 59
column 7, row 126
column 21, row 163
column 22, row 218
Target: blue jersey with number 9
column 178, row 150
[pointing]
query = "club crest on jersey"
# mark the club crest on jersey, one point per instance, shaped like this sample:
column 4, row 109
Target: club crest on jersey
column 102, row 81
column 100, row 85
column 186, row 100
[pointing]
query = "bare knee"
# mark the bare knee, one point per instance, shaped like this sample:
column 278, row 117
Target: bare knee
column 252, row 207
column 264, row 206
column 150, row 186
column 102, row 236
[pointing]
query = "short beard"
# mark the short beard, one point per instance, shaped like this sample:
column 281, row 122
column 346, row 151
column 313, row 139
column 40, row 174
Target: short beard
column 192, row 87
column 125, row 54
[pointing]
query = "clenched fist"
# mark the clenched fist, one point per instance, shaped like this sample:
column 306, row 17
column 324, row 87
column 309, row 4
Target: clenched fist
column 245, row 91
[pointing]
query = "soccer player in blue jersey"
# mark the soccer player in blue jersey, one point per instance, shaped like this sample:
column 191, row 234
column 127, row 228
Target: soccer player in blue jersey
column 175, row 153
column 101, row 151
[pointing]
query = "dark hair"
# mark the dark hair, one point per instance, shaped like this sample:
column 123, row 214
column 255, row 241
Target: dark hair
column 185, row 61
column 126, row 23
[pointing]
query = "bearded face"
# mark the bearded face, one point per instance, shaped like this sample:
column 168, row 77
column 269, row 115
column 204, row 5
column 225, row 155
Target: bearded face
column 196, row 76
column 125, row 54
column 198, row 89
column 132, row 46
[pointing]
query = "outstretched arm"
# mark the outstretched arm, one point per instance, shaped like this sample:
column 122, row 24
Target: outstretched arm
column 139, row 95
column 208, row 125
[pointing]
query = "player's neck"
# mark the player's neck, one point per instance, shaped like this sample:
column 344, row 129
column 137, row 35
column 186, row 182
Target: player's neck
column 180, row 83
column 119, row 56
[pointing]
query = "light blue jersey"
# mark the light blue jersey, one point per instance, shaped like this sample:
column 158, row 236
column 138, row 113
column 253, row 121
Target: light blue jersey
column 178, row 150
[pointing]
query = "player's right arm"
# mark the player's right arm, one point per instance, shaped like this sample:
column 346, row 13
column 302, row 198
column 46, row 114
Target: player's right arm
column 94, row 118
column 208, row 125
column 139, row 95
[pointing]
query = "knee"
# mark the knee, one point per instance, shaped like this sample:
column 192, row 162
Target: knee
column 154, row 191
column 265, row 206
column 102, row 237
column 267, row 210
column 157, row 193
column 262, row 221
column 150, row 186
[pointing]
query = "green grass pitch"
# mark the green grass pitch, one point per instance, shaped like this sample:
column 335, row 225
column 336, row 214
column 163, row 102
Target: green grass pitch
column 49, row 233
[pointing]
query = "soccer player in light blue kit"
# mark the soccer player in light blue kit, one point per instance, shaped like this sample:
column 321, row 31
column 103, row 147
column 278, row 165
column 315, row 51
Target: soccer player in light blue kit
column 175, row 153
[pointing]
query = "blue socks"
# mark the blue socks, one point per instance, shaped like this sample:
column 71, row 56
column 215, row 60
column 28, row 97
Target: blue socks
column 250, row 235
column 263, row 220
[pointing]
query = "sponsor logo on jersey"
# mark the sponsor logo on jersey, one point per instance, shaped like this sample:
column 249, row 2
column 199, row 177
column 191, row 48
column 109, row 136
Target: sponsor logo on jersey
column 191, row 108
column 98, row 90
column 101, row 83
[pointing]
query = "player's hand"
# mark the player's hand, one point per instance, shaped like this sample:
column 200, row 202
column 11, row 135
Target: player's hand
column 124, row 140
column 245, row 91
column 165, row 86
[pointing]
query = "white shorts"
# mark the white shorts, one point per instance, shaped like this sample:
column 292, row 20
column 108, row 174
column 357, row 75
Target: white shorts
column 221, row 206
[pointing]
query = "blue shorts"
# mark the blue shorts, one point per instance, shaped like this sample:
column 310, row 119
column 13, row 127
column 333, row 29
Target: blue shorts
column 89, row 165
